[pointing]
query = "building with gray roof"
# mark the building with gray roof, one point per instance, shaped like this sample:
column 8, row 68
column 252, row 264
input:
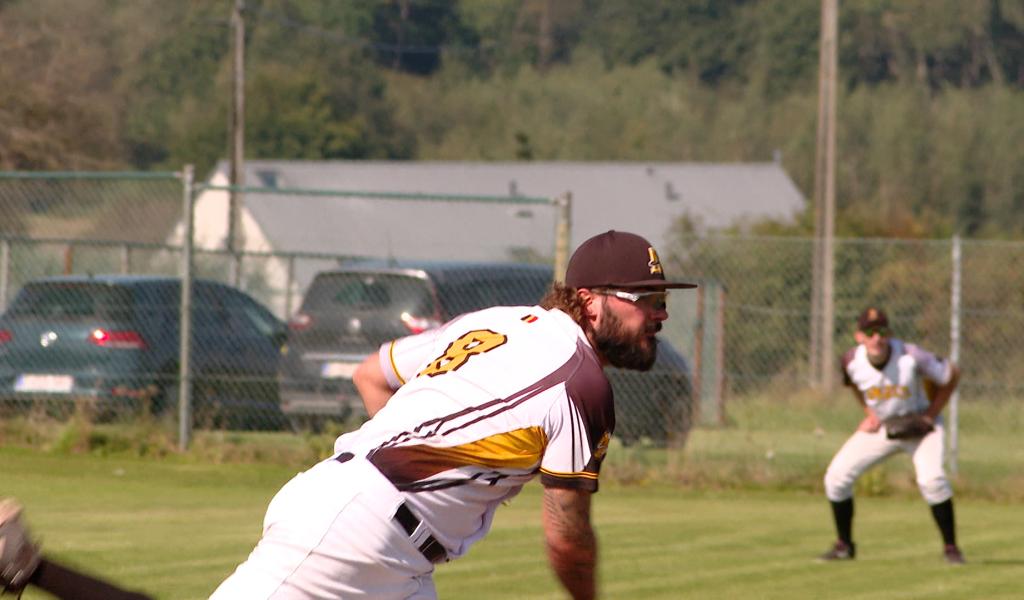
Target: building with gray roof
column 642, row 197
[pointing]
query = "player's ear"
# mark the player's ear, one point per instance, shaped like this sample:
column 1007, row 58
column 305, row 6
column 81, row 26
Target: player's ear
column 859, row 336
column 590, row 307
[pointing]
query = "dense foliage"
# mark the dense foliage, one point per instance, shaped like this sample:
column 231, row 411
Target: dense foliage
column 930, row 117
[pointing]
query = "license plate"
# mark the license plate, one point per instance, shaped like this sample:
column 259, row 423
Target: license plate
column 60, row 384
column 338, row 370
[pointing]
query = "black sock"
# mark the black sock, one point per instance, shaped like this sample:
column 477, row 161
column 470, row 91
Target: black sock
column 842, row 512
column 943, row 513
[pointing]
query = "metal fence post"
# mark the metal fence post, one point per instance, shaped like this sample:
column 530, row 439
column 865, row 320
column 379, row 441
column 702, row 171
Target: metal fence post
column 954, row 353
column 184, row 367
column 697, row 385
column 289, row 284
column 719, row 390
column 5, row 263
column 126, row 259
column 563, row 233
column 69, row 258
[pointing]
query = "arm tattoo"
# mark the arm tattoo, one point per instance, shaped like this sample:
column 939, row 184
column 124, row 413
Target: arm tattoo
column 569, row 517
column 572, row 546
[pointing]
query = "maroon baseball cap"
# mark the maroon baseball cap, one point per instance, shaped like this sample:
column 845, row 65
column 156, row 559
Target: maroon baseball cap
column 616, row 259
column 872, row 317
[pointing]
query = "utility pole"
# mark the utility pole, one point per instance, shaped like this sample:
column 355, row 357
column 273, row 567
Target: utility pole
column 545, row 44
column 237, row 141
column 822, row 301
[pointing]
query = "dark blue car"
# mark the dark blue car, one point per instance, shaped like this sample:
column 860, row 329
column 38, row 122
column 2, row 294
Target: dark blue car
column 111, row 343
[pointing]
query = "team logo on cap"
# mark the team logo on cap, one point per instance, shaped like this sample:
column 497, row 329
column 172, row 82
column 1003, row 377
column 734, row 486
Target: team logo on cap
column 654, row 264
column 872, row 314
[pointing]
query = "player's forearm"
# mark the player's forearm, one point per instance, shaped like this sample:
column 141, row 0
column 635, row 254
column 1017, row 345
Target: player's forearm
column 576, row 570
column 571, row 543
column 574, row 562
column 943, row 393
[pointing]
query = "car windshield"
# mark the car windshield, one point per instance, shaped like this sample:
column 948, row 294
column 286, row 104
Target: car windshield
column 370, row 291
column 72, row 300
column 474, row 293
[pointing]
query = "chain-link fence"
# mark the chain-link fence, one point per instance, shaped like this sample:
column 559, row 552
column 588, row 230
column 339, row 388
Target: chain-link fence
column 91, row 280
column 956, row 298
column 93, row 269
column 767, row 316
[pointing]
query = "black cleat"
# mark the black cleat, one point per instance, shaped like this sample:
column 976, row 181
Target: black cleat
column 953, row 555
column 840, row 551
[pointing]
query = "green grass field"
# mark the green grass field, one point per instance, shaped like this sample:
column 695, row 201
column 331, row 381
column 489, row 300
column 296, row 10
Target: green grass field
column 175, row 528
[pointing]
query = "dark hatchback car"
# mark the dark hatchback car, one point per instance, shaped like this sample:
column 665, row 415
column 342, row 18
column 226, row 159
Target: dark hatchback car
column 348, row 312
column 112, row 341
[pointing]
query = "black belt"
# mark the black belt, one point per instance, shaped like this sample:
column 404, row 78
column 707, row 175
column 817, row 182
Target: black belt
column 431, row 549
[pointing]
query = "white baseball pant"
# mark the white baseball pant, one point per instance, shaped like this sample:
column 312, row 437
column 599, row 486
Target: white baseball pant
column 863, row 450
column 330, row 533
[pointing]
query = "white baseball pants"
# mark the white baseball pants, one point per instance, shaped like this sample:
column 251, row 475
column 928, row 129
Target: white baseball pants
column 329, row 533
column 864, row 450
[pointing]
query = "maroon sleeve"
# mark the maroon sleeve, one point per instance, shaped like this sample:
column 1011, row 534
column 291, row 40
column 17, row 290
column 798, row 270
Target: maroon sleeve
column 590, row 396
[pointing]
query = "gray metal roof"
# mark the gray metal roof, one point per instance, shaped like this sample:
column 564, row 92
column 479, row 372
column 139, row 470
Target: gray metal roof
column 642, row 197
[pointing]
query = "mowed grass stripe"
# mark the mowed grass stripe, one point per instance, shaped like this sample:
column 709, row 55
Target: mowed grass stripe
column 178, row 530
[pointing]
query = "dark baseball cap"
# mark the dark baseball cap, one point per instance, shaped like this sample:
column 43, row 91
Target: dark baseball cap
column 616, row 259
column 872, row 317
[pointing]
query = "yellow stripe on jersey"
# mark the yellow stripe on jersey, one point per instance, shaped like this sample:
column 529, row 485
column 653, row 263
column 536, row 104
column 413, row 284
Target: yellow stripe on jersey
column 576, row 475
column 394, row 367
column 518, row 449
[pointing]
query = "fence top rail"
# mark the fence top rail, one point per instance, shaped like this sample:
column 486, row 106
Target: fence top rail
column 805, row 239
column 19, row 239
column 377, row 195
column 91, row 175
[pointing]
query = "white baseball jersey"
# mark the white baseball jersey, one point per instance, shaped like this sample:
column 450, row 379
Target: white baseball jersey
column 897, row 388
column 483, row 404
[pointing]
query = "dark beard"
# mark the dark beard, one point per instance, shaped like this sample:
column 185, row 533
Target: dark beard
column 622, row 349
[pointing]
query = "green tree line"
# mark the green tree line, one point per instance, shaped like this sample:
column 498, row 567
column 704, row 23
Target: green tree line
column 931, row 111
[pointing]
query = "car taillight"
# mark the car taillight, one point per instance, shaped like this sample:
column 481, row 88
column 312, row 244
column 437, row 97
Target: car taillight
column 419, row 324
column 117, row 339
column 5, row 336
column 300, row 321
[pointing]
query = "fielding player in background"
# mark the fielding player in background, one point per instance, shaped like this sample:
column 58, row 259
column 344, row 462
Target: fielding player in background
column 462, row 417
column 21, row 565
column 903, row 390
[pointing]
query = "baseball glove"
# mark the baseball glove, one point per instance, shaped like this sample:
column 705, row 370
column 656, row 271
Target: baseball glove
column 19, row 556
column 907, row 427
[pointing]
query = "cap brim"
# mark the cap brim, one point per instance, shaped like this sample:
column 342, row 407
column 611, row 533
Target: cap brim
column 657, row 283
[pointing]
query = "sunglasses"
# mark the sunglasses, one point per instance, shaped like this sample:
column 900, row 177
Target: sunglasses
column 656, row 300
column 871, row 331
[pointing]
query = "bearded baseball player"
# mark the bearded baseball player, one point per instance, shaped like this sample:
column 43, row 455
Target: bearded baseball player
column 462, row 417
column 903, row 389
